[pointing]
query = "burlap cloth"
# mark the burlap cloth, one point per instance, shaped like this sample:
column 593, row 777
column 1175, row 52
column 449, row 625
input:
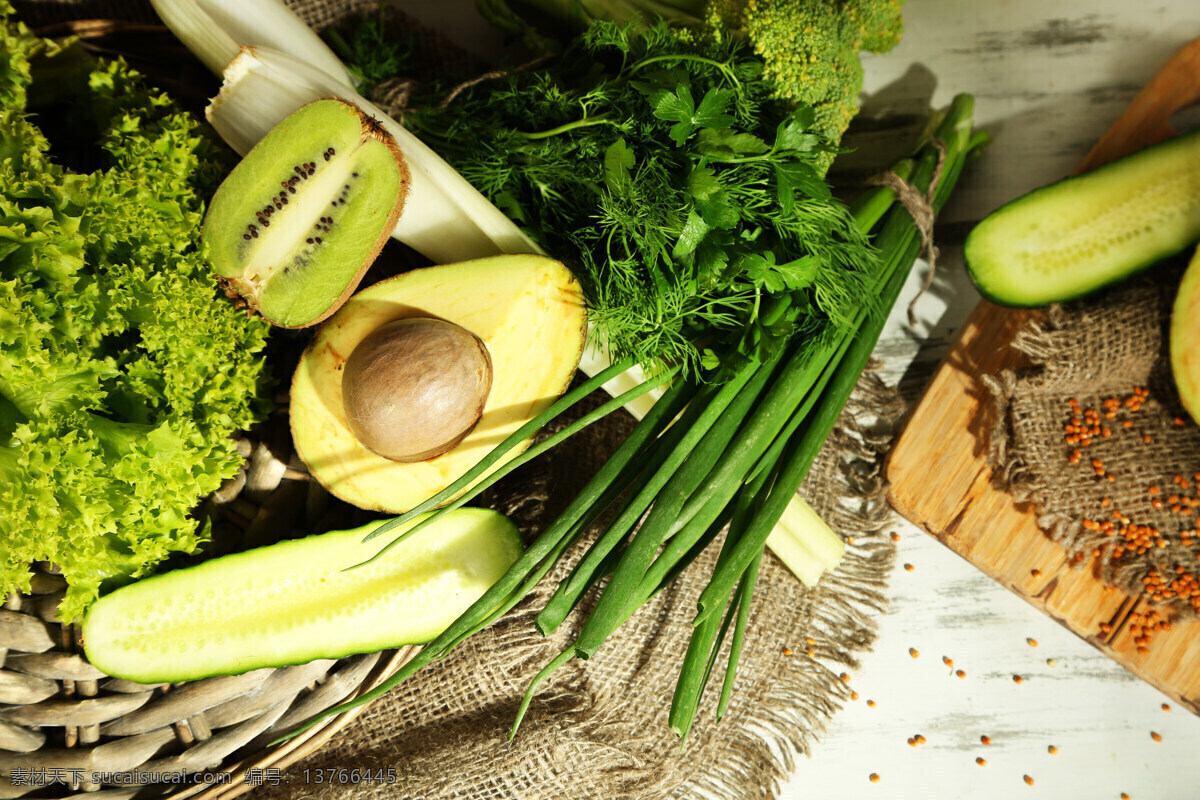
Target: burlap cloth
column 1119, row 497
column 598, row 729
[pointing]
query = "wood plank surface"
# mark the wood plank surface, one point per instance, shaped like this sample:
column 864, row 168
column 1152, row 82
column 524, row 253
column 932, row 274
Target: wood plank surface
column 938, row 468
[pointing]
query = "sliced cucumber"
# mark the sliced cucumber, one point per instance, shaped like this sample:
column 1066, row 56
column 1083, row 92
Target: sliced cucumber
column 1068, row 239
column 295, row 601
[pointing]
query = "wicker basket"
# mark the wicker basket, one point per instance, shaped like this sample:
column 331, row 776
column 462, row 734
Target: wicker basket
column 68, row 729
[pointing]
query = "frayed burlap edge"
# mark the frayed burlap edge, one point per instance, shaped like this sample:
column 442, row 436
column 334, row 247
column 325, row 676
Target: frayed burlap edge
column 748, row 755
column 1009, row 470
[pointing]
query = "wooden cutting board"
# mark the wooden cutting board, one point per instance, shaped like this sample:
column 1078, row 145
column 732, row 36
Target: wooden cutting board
column 938, row 468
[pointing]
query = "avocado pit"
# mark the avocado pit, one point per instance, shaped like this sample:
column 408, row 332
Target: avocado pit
column 413, row 388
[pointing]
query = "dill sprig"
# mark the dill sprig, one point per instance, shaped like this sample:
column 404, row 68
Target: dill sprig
column 371, row 54
column 685, row 199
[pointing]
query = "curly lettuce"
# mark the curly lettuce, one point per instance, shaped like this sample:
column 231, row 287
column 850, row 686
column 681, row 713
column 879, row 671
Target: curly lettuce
column 123, row 371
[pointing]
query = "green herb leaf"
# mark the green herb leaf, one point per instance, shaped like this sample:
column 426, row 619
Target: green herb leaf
column 792, row 133
column 762, row 271
column 711, row 199
column 694, row 231
column 618, row 160
column 759, row 269
column 799, row 273
column 728, row 142
column 712, row 262
column 711, row 112
column 678, row 107
column 797, row 176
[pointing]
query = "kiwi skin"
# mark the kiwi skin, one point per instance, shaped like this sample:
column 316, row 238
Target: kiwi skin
column 415, row 387
column 229, row 211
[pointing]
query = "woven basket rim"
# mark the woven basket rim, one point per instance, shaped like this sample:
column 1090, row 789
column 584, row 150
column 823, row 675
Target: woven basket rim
column 289, row 752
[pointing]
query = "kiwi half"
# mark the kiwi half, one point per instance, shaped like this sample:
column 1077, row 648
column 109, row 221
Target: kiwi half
column 298, row 221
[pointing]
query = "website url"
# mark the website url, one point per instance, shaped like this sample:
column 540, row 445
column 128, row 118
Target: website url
column 44, row 776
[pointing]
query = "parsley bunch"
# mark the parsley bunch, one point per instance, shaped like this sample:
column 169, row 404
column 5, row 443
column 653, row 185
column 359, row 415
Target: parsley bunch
column 686, row 200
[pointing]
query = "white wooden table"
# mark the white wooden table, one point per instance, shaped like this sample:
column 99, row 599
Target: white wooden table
column 1049, row 76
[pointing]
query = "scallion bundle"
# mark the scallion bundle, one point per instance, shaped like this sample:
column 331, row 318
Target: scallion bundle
column 689, row 200
column 708, row 457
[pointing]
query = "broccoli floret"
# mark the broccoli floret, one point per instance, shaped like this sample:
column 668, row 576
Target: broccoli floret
column 879, row 23
column 810, row 48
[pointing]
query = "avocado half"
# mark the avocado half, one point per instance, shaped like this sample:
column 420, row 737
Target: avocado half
column 528, row 310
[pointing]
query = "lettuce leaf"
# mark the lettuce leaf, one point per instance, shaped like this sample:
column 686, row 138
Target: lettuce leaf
column 123, row 371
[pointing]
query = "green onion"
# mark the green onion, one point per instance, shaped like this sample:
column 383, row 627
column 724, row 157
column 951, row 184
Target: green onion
column 899, row 234
column 524, row 432
column 742, row 602
column 731, row 454
column 706, row 639
column 668, row 475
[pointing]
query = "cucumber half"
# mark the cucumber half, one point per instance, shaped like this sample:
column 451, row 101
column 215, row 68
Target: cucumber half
column 294, row 602
column 1073, row 237
column 1185, row 339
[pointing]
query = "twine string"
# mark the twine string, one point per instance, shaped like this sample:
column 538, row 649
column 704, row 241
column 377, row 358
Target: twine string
column 488, row 76
column 396, row 94
column 920, row 206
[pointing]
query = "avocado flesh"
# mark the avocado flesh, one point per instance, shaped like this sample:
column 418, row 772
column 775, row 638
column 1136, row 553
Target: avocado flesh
column 527, row 309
